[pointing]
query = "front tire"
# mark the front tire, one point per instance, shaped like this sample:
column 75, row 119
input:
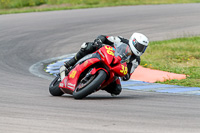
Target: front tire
column 94, row 84
column 54, row 87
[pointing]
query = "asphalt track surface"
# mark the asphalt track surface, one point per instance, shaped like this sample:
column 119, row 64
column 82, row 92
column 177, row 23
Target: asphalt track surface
column 25, row 103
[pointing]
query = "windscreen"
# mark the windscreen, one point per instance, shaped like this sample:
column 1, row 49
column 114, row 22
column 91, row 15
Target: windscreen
column 123, row 50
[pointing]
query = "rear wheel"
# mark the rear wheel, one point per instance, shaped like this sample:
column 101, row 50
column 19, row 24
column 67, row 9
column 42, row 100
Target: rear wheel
column 54, row 87
column 86, row 87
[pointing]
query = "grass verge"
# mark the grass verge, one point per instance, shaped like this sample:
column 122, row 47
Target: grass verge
column 180, row 56
column 19, row 6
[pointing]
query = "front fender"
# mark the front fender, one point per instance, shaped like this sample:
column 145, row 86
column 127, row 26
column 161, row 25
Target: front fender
column 94, row 70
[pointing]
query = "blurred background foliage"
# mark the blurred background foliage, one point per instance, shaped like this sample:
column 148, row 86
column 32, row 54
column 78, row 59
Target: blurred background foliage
column 8, row 4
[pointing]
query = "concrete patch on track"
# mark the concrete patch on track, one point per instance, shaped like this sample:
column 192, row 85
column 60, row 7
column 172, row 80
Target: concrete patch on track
column 52, row 68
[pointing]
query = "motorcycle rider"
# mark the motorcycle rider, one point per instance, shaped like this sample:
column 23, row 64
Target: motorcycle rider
column 137, row 43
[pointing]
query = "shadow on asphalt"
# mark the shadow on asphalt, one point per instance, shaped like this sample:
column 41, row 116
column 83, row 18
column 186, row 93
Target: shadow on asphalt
column 109, row 97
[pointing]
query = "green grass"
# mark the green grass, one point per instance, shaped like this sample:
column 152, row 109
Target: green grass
column 180, row 56
column 18, row 6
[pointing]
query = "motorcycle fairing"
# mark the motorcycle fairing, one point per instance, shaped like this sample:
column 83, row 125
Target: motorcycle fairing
column 120, row 69
column 107, row 54
column 69, row 83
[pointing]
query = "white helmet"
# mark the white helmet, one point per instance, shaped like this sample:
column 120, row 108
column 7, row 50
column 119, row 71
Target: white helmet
column 138, row 43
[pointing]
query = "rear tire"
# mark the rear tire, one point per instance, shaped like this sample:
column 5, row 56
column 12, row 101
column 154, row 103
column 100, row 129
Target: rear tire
column 54, row 87
column 91, row 87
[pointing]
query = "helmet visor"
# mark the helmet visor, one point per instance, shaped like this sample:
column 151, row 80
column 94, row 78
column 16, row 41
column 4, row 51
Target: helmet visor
column 139, row 47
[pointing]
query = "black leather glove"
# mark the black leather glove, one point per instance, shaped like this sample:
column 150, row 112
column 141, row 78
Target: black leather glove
column 126, row 77
column 98, row 43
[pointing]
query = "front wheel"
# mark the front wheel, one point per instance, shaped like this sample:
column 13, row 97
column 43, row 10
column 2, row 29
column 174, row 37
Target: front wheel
column 92, row 84
column 54, row 87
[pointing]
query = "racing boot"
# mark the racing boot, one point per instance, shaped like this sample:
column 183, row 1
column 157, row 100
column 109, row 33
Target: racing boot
column 65, row 69
column 114, row 88
column 73, row 60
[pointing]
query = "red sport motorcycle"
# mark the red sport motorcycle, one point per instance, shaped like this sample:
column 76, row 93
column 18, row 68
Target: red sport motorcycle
column 93, row 72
